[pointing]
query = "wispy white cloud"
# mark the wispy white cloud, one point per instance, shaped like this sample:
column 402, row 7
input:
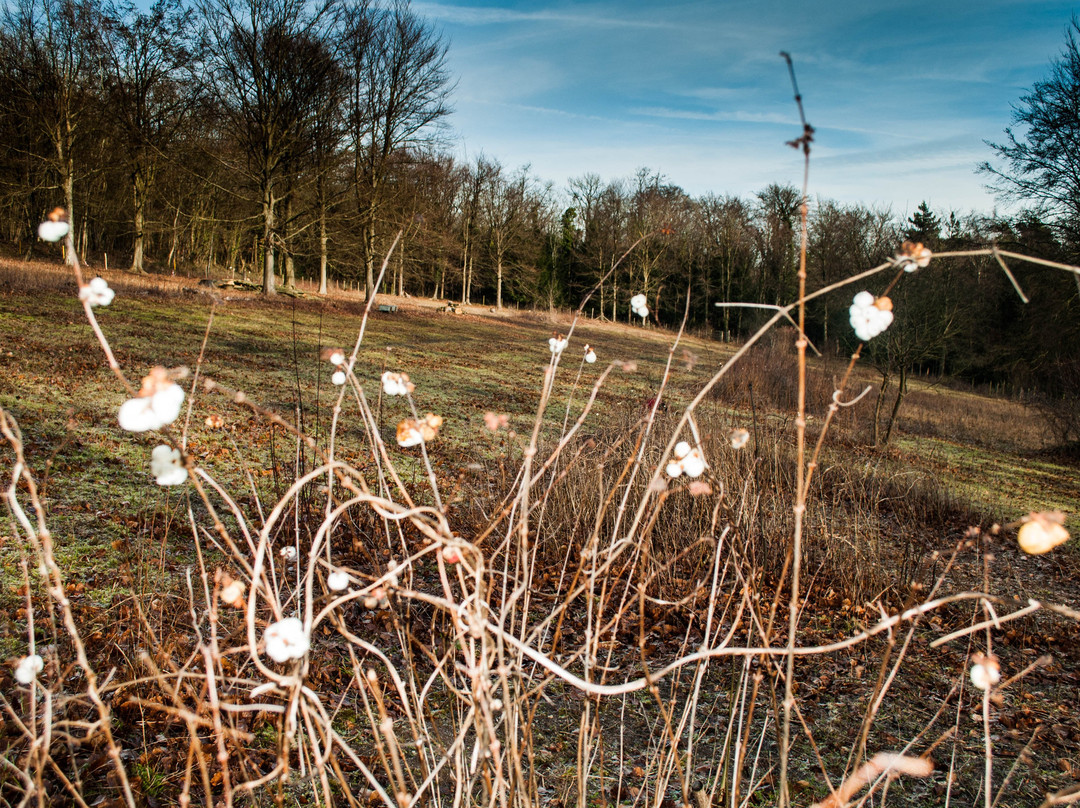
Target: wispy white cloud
column 493, row 15
column 779, row 119
column 713, row 93
column 737, row 116
column 533, row 109
column 925, row 150
column 902, row 96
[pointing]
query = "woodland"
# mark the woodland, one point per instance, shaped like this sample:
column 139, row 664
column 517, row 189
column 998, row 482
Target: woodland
column 273, row 141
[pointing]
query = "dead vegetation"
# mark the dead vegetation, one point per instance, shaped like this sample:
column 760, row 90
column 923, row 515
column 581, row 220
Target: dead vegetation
column 534, row 613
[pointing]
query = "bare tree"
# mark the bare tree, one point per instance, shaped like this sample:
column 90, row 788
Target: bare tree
column 602, row 211
column 476, row 178
column 843, row 239
column 399, row 91
column 50, row 61
column 506, row 202
column 268, row 64
column 778, row 210
column 657, row 211
column 928, row 309
column 326, row 133
column 146, row 59
column 587, row 192
column 727, row 232
column 1040, row 154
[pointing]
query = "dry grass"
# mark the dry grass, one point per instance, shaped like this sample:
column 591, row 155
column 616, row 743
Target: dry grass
column 973, row 419
column 571, row 626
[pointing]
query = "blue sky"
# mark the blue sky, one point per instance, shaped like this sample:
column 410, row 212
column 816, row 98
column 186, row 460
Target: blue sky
column 902, row 94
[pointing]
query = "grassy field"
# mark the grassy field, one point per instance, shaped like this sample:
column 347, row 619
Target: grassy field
column 884, row 528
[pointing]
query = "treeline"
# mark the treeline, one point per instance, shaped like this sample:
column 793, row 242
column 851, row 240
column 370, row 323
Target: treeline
column 285, row 139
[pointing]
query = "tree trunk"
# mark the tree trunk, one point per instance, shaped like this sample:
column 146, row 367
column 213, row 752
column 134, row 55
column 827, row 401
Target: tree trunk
column 69, row 204
column 901, row 389
column 268, row 240
column 364, row 181
column 401, row 271
column 138, row 194
column 286, row 249
column 323, row 238
column 369, row 258
column 322, row 256
column 174, row 241
column 67, row 169
column 464, row 268
column 499, row 283
column 886, row 377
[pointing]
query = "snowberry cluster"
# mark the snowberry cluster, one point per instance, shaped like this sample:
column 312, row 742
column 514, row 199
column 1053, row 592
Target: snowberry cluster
column 985, row 671
column 28, row 669
column 166, row 466
column 738, row 438
column 412, row 432
column 97, row 293
column 338, row 580
column 397, row 384
column 55, row 226
column 687, row 461
column 870, row 316
column 913, row 256
column 286, row 639
column 157, row 403
column 1042, row 532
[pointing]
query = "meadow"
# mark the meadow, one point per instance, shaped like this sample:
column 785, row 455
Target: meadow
column 536, row 611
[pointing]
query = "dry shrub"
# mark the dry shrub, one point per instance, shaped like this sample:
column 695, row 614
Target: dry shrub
column 22, row 277
column 974, row 419
column 865, row 530
column 588, row 628
column 767, row 378
column 1060, row 407
column 870, row 527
